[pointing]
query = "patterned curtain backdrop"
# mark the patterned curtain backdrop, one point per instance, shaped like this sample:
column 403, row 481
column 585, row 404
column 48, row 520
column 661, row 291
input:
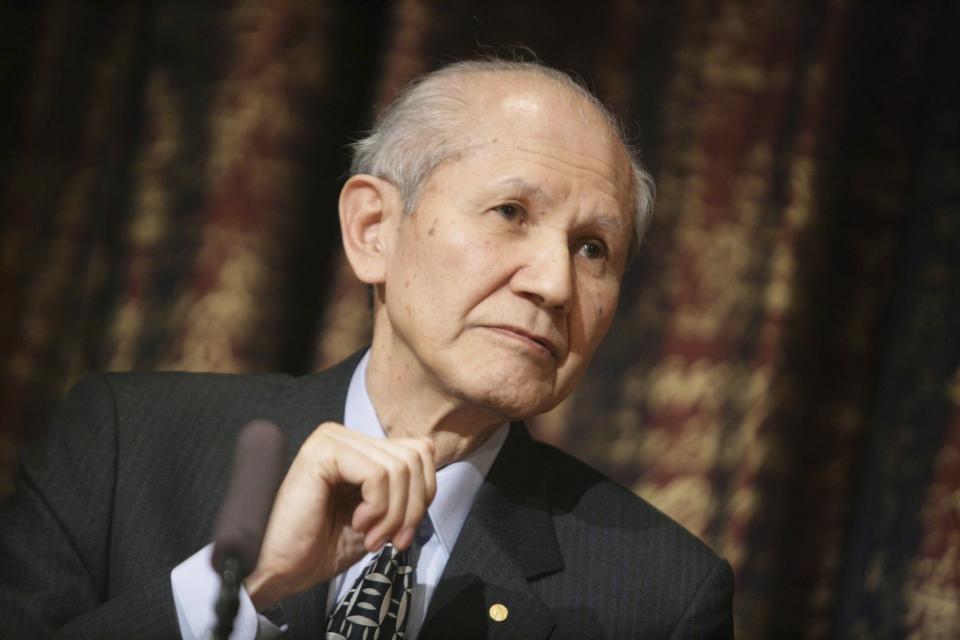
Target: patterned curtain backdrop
column 784, row 373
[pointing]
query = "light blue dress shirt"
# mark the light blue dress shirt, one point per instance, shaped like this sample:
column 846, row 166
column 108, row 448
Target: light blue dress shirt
column 196, row 584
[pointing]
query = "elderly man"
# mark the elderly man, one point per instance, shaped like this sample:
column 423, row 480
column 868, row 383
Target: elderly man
column 493, row 210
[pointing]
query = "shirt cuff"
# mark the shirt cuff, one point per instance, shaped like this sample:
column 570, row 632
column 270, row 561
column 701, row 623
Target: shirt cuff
column 195, row 588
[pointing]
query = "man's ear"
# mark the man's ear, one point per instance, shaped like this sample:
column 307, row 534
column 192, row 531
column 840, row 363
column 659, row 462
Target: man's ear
column 368, row 206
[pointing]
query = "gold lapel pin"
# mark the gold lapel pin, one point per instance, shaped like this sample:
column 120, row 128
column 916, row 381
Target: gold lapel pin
column 498, row 612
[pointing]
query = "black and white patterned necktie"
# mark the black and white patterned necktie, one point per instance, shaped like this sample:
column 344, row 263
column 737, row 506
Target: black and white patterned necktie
column 376, row 606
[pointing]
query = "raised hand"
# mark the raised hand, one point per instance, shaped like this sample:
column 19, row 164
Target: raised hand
column 344, row 494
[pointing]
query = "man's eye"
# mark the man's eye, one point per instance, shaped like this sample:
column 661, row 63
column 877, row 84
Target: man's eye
column 593, row 250
column 510, row 211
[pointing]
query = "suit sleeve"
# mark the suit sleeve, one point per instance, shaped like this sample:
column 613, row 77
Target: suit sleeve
column 710, row 612
column 55, row 534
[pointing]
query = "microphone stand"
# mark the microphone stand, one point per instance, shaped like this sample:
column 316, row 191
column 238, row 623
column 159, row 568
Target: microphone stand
column 228, row 602
column 257, row 472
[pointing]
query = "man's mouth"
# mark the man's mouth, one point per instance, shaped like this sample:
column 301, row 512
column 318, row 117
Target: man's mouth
column 534, row 339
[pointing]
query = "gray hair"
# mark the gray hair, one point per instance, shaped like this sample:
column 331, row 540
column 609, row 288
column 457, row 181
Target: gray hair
column 421, row 129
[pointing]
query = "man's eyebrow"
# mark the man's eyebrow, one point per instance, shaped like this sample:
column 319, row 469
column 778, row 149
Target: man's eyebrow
column 611, row 222
column 523, row 187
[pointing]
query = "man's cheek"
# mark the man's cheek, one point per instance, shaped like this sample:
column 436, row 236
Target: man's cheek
column 599, row 308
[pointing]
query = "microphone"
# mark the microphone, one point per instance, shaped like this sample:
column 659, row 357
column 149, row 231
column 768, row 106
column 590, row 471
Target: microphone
column 257, row 471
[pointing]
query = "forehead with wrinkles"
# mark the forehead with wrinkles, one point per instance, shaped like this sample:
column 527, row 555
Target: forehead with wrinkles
column 534, row 113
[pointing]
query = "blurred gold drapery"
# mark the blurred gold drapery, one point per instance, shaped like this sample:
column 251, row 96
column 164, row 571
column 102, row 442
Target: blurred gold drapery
column 784, row 373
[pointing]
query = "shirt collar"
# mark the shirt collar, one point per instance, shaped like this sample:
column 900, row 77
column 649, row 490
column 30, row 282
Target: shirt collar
column 457, row 483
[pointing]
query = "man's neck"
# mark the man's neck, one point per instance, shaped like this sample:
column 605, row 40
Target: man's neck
column 411, row 405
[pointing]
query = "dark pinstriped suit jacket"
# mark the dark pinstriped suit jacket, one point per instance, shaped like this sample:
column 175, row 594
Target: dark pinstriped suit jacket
column 127, row 484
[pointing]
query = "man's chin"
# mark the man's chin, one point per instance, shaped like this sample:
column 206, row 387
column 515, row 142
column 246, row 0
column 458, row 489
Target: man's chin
column 517, row 403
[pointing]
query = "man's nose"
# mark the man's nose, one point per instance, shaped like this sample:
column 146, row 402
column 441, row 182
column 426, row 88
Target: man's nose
column 546, row 275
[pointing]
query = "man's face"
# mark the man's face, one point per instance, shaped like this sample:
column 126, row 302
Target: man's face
column 503, row 281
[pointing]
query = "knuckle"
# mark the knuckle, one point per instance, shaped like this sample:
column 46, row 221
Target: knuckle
column 377, row 503
column 327, row 427
column 398, row 468
column 410, row 458
column 313, row 444
column 377, row 510
column 320, row 434
column 380, row 475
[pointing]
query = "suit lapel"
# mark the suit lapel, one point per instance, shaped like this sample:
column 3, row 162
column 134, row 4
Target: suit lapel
column 313, row 399
column 507, row 540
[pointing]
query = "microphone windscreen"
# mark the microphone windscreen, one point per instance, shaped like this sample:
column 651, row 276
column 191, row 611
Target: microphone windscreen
column 257, row 471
